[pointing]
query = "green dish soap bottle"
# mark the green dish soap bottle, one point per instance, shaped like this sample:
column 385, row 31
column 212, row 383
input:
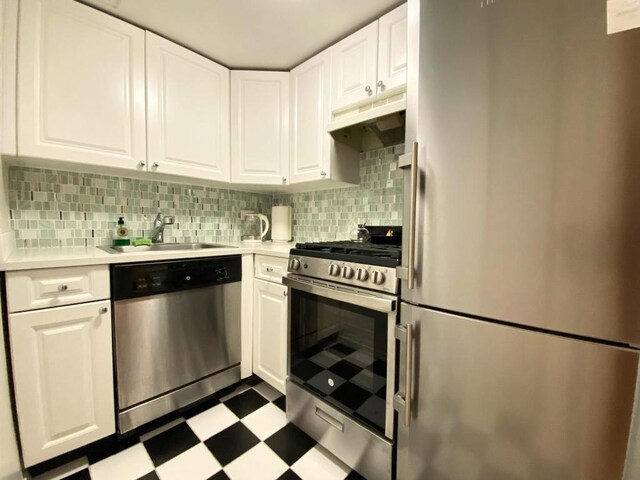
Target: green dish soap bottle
column 121, row 234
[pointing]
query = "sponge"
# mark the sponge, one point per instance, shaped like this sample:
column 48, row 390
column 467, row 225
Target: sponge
column 141, row 241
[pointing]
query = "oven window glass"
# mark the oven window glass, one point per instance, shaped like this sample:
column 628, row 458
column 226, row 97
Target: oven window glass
column 339, row 352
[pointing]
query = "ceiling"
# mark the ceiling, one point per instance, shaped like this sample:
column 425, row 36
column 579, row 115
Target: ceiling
column 250, row 34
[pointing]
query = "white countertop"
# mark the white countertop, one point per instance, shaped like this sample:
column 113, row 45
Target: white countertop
column 27, row 259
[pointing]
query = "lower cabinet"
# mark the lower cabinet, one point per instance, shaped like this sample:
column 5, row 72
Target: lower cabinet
column 63, row 378
column 270, row 333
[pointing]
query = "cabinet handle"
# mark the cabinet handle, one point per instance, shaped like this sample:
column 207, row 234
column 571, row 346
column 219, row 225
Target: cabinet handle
column 323, row 174
column 381, row 85
column 269, row 269
column 142, row 163
column 103, row 310
column 156, row 164
column 285, row 293
column 63, row 287
column 368, row 90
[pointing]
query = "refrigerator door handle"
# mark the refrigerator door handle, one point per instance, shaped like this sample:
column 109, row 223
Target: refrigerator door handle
column 404, row 333
column 407, row 272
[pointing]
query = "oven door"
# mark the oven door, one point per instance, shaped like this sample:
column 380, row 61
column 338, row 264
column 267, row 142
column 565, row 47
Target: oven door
column 342, row 348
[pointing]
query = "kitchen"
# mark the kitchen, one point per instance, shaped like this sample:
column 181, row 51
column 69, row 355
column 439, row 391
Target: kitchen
column 498, row 342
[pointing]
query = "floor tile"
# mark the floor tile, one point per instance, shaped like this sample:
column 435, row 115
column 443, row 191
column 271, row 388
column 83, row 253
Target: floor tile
column 281, row 403
column 259, row 459
column 81, row 475
column 233, row 392
column 265, row 421
column 169, row 444
column 110, row 446
column 318, row 464
column 197, row 463
column 267, row 391
column 130, row 464
column 290, row 443
column 253, row 380
column 202, row 406
column 162, row 428
column 289, row 475
column 230, row 443
column 354, row 476
column 220, row 476
column 150, row 476
column 246, row 403
column 206, row 424
column 68, row 470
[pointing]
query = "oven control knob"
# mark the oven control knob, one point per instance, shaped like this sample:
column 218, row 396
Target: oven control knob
column 377, row 277
column 334, row 270
column 347, row 272
column 294, row 264
column 362, row 275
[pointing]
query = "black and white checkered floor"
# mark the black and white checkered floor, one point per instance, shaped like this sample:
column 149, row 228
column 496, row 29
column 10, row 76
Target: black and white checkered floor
column 243, row 435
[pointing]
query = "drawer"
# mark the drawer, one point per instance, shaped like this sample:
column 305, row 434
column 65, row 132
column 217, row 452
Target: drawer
column 270, row 268
column 52, row 287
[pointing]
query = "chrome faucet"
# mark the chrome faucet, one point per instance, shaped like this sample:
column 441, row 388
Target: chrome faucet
column 158, row 227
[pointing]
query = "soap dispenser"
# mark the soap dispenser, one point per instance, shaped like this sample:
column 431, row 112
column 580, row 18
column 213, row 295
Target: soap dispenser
column 121, row 234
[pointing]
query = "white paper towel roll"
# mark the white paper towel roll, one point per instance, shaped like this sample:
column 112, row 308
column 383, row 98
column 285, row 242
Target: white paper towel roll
column 281, row 223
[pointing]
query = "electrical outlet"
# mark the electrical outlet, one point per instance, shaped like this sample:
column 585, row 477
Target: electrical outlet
column 389, row 183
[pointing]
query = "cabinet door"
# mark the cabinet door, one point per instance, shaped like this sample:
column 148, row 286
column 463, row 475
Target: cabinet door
column 63, row 378
column 81, row 92
column 259, row 127
column 392, row 50
column 310, row 115
column 354, row 67
column 270, row 333
column 187, row 112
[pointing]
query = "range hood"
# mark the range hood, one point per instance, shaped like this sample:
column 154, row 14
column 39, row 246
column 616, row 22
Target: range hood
column 373, row 125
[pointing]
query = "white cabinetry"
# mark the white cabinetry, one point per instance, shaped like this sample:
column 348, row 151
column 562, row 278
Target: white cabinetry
column 270, row 324
column 314, row 155
column 187, row 112
column 370, row 63
column 81, row 85
column 63, row 378
column 259, row 127
column 392, row 50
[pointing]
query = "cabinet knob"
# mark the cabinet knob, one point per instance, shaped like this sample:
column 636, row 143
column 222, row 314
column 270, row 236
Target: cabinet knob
column 156, row 164
column 381, row 85
column 103, row 310
column 323, row 174
column 142, row 163
column 284, row 180
column 368, row 90
column 269, row 269
column 63, row 287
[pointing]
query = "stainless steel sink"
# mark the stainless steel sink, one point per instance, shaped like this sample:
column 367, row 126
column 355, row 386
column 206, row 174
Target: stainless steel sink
column 162, row 247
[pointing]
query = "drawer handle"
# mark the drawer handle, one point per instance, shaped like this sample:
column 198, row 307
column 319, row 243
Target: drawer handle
column 63, row 287
column 322, row 415
column 269, row 269
column 103, row 310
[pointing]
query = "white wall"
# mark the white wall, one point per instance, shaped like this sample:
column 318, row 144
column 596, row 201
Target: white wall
column 10, row 468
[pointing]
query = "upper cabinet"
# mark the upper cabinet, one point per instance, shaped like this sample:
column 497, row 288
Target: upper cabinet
column 187, row 112
column 313, row 152
column 370, row 63
column 392, row 50
column 354, row 63
column 259, row 127
column 81, row 85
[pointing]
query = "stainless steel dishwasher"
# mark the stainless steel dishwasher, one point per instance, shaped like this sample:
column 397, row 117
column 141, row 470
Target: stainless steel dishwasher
column 177, row 334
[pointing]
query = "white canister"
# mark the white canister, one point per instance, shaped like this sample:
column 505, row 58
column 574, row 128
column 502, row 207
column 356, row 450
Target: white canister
column 281, row 223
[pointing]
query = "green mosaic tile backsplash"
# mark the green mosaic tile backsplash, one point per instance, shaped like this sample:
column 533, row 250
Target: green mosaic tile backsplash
column 51, row 208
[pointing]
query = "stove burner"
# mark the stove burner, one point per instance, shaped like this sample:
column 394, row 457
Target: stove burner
column 353, row 248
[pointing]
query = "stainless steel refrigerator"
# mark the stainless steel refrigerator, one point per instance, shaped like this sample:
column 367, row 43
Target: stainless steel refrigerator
column 520, row 314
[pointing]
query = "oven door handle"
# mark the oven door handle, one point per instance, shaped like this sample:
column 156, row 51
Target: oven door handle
column 359, row 298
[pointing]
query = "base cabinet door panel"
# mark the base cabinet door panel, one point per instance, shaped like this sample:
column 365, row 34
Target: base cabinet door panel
column 187, row 112
column 63, row 378
column 81, row 92
column 270, row 333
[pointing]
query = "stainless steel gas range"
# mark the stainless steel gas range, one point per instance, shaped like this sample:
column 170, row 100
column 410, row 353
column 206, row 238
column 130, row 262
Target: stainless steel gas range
column 343, row 306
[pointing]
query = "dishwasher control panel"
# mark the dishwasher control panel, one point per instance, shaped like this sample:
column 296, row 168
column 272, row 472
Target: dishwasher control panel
column 153, row 278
